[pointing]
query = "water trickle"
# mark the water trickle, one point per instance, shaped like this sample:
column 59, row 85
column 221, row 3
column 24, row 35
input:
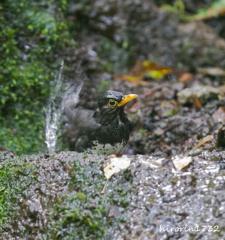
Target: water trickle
column 61, row 95
column 53, row 112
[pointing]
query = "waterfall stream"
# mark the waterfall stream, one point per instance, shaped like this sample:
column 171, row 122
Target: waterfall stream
column 61, row 94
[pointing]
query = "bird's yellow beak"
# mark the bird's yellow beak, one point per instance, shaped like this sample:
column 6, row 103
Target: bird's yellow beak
column 126, row 99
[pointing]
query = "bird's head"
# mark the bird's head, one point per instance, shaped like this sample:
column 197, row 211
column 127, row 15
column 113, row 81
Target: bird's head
column 111, row 104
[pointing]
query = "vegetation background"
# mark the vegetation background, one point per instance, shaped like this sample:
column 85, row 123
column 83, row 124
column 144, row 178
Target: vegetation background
column 32, row 38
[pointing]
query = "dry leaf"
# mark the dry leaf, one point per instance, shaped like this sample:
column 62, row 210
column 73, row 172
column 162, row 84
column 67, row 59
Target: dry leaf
column 133, row 79
column 142, row 69
column 180, row 163
column 202, row 141
column 185, row 77
column 197, row 104
column 115, row 166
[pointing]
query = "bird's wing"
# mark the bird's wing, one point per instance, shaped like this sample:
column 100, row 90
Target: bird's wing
column 80, row 124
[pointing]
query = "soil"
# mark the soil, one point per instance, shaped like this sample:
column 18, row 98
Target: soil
column 112, row 39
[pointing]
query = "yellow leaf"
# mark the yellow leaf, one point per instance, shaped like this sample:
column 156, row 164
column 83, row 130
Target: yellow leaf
column 156, row 70
column 141, row 69
column 129, row 78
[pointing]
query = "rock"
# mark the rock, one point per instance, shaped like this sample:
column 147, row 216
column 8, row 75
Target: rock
column 159, row 132
column 202, row 93
column 219, row 115
column 58, row 196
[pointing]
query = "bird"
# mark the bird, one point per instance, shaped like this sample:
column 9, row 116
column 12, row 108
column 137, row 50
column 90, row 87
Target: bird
column 104, row 131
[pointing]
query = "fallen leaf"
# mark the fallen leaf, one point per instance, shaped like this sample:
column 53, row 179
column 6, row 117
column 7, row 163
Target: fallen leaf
column 156, row 70
column 202, row 141
column 185, row 77
column 133, row 79
column 142, row 69
column 197, row 104
column 180, row 163
column 115, row 166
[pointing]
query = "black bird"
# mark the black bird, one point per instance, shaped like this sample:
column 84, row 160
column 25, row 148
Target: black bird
column 103, row 131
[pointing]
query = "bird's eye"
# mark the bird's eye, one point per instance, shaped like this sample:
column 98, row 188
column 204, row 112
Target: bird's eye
column 112, row 103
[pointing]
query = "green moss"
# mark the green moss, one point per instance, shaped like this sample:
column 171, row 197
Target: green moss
column 79, row 211
column 83, row 213
column 32, row 37
column 15, row 179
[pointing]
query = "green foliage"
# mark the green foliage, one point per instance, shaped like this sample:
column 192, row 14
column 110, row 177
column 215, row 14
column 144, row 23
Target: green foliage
column 32, row 36
column 15, row 179
column 178, row 7
column 216, row 8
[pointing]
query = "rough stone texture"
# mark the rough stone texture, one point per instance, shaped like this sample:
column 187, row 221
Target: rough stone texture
column 139, row 203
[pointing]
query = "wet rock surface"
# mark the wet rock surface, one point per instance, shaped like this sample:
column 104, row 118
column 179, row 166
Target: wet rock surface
column 149, row 200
